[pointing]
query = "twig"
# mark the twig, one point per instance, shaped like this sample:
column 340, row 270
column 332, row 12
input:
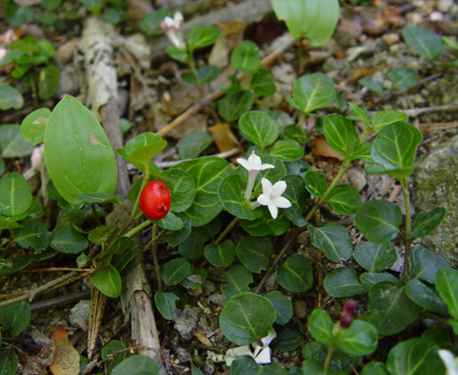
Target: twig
column 218, row 93
column 157, row 269
column 415, row 112
column 59, row 301
column 222, row 155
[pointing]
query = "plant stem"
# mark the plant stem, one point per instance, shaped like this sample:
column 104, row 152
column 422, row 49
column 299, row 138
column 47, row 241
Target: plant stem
column 155, row 261
column 193, row 68
column 34, row 90
column 96, row 216
column 299, row 58
column 226, row 231
column 343, row 168
column 144, row 182
column 407, row 241
column 329, row 354
column 439, row 319
column 137, row 229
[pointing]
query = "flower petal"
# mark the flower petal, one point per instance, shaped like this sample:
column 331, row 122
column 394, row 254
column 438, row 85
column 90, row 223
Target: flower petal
column 279, row 188
column 449, row 361
column 273, row 210
column 263, row 167
column 245, row 164
column 281, row 202
column 266, row 186
column 169, row 21
column 178, row 19
column 264, row 200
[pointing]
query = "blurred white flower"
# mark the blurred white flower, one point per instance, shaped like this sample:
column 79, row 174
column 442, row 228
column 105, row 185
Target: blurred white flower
column 173, row 29
column 450, row 362
column 253, row 165
column 271, row 196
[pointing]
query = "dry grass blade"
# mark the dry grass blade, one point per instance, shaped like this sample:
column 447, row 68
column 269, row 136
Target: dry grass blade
column 98, row 301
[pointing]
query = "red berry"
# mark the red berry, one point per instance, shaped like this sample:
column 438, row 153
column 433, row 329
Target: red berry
column 345, row 321
column 349, row 307
column 155, row 200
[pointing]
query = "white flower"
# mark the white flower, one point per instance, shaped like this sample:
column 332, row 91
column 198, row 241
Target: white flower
column 254, row 163
column 271, row 196
column 450, row 362
column 173, row 29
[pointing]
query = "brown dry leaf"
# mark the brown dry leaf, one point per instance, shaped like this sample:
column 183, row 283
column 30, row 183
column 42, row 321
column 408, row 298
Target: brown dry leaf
column 232, row 28
column 224, row 138
column 322, row 148
column 202, row 338
column 66, row 359
column 361, row 73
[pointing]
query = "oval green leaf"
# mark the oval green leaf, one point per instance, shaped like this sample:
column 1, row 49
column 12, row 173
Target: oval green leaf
column 296, row 275
column 15, row 195
column 333, row 240
column 343, row 282
column 259, row 128
column 254, row 253
column 313, row 91
column 107, row 281
column 375, row 257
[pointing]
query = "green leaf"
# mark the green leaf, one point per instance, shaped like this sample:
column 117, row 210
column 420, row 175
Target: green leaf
column 195, row 370
column 333, row 240
column 33, row 125
column 231, row 107
column 100, row 198
column 14, row 265
column 10, row 97
column 360, row 338
column 234, row 87
column 287, row 340
column 425, row 222
column 403, row 78
column 101, row 234
column 266, row 225
column 247, row 317
column 379, row 220
column 424, row 42
column 297, row 133
column 137, row 365
column 313, row 91
column 246, row 57
column 424, row 263
column 151, row 23
column 287, row 150
column 12, row 143
column 282, row 305
column 119, row 247
column 239, row 278
column 369, row 279
column 231, row 193
column 440, row 335
column 254, row 253
column 77, row 152
column 345, row 199
column 8, row 362
column 361, row 115
column 375, row 368
column 176, row 237
column 390, row 309
column 425, row 296
column 220, row 255
column 273, row 175
column 111, row 16
column 33, row 233
column 395, row 147
column 373, row 85
column 314, row 367
column 15, row 318
column 141, row 148
column 46, row 19
column 7, row 223
column 306, row 18
column 15, row 195
column 263, row 83
column 299, row 198
column 375, row 257
column 414, row 357
column 296, row 275
column 184, row 189
column 315, row 183
column 343, row 282
column 320, row 326
column 192, row 248
column 207, row 172
column 341, row 134
column 165, row 303
column 67, row 240
column 202, row 36
column 384, row 118
column 259, row 128
column 113, row 353
column 107, row 281
column 174, row 271
column 208, row 73
column 446, row 280
column 48, row 82
column 50, row 4
column 176, row 54
column 193, row 144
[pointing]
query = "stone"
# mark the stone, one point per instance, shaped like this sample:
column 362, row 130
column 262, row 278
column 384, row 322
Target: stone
column 444, row 5
column 186, row 323
column 329, row 65
column 390, row 39
column 79, row 315
column 437, row 185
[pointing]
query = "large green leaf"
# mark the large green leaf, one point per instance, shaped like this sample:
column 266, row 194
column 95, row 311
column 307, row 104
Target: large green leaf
column 184, row 189
column 320, row 326
column 77, row 152
column 313, row 91
column 259, row 128
column 10, row 97
column 390, row 309
column 333, row 240
column 446, row 280
column 283, row 305
column 425, row 222
column 266, row 225
column 315, row 20
column 424, row 42
column 141, row 148
column 375, row 257
column 8, row 361
column 107, row 281
column 254, row 253
column 425, row 296
column 208, row 172
column 379, row 220
column 296, row 275
column 230, row 192
column 239, row 279
column 343, row 282
column 403, row 77
column 220, row 255
column 341, row 134
column 202, row 36
column 424, row 263
column 174, row 271
column 15, row 318
column 345, row 199
column 232, row 106
column 360, row 338
column 384, row 118
column 33, row 233
column 247, row 317
column 165, row 303
column 246, row 57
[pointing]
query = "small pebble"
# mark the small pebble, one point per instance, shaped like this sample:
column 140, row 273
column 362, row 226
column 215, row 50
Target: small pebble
column 436, row 16
column 418, row 99
column 415, row 18
column 395, row 48
column 390, row 39
column 444, row 5
column 387, row 84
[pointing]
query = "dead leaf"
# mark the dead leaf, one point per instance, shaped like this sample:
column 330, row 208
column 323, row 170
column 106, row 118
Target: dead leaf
column 224, row 138
column 322, row 148
column 66, row 359
column 202, row 338
column 232, row 28
column 361, row 73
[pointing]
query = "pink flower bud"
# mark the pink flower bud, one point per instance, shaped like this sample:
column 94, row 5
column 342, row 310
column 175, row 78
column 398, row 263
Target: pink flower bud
column 349, row 307
column 345, row 321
